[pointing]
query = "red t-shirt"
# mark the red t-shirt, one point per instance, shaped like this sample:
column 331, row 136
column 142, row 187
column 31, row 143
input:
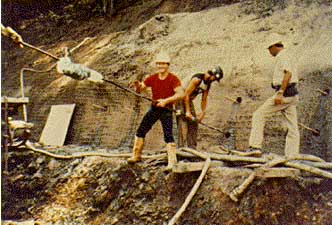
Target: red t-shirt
column 162, row 89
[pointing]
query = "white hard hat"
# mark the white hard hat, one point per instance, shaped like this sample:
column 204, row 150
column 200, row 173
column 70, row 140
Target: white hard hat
column 273, row 39
column 163, row 57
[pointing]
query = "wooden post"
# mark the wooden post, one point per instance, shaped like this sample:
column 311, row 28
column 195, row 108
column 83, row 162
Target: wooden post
column 240, row 189
column 310, row 169
column 192, row 193
column 237, row 191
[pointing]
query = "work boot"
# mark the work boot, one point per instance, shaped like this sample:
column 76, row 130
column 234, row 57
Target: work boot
column 252, row 151
column 137, row 150
column 171, row 155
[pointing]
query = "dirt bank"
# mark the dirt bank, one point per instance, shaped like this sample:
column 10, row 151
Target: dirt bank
column 97, row 190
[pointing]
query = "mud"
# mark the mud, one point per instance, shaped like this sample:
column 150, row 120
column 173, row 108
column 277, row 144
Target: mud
column 98, row 190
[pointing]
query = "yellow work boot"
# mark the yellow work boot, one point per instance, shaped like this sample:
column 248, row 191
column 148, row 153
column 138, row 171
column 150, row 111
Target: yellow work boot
column 137, row 150
column 171, row 155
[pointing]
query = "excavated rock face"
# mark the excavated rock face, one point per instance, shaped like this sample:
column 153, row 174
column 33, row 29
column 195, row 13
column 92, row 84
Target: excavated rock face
column 315, row 112
column 325, row 113
column 196, row 42
column 154, row 28
column 326, row 131
column 97, row 190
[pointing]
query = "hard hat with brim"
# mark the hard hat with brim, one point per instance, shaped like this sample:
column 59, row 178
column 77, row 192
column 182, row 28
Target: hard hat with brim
column 276, row 43
column 163, row 57
column 273, row 39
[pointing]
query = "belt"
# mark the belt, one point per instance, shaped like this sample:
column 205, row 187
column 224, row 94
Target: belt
column 168, row 107
column 290, row 91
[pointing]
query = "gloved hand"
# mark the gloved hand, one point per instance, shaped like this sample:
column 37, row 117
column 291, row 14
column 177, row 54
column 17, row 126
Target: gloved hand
column 9, row 32
column 136, row 86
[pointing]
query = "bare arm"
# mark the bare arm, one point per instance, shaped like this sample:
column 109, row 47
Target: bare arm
column 203, row 105
column 178, row 95
column 189, row 90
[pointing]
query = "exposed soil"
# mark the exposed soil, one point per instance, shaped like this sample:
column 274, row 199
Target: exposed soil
column 198, row 34
column 97, row 190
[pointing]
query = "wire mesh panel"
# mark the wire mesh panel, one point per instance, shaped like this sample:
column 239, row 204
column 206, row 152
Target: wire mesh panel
column 105, row 115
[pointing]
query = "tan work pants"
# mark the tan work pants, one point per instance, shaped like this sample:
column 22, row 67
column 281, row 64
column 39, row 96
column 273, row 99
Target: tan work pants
column 288, row 109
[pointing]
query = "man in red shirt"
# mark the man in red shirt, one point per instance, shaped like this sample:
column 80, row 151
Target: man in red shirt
column 166, row 89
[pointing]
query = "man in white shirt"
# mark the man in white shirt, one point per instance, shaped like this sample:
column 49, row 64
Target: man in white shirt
column 285, row 79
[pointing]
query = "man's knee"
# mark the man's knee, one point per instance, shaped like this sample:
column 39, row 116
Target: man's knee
column 293, row 132
column 142, row 131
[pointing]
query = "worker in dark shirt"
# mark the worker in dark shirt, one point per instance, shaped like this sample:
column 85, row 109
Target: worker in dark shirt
column 187, row 119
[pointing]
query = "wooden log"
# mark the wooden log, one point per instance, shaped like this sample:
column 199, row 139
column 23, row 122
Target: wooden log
column 192, row 193
column 14, row 100
column 306, row 157
column 235, row 152
column 310, row 169
column 185, row 154
column 219, row 150
column 232, row 158
column 202, row 155
column 184, row 167
column 29, row 146
column 278, row 172
column 324, row 165
column 235, row 158
column 240, row 189
column 253, row 165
